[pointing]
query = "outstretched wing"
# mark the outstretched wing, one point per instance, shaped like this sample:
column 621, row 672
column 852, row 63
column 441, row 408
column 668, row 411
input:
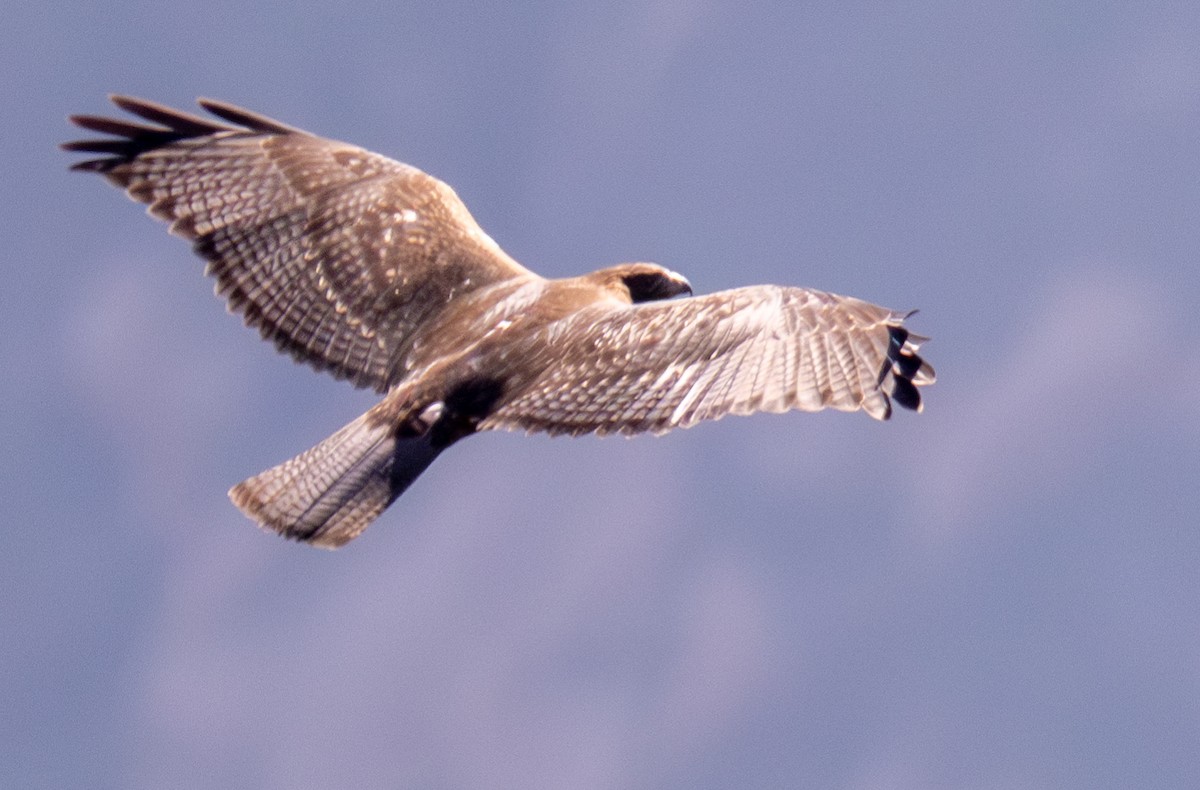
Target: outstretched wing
column 334, row 253
column 660, row 365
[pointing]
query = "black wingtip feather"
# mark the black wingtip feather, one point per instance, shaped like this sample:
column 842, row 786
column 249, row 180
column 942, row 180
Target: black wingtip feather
column 132, row 138
column 246, row 118
column 182, row 123
column 113, row 126
column 907, row 364
column 904, row 369
column 905, row 393
column 113, row 147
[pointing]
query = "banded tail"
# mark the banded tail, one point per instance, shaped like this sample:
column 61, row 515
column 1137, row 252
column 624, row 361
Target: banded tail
column 327, row 495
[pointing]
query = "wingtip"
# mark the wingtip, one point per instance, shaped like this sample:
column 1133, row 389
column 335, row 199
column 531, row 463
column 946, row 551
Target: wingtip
column 245, row 118
column 153, row 125
column 127, row 102
column 904, row 370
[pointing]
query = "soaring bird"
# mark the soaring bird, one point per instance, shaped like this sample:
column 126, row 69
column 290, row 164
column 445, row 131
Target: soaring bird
column 374, row 271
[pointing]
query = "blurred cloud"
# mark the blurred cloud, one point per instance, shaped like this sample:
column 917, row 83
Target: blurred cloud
column 1042, row 403
column 619, row 54
column 1160, row 72
column 999, row 592
column 489, row 669
column 136, row 361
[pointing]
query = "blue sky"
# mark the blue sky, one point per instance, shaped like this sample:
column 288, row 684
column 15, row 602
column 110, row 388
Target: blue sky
column 1000, row 592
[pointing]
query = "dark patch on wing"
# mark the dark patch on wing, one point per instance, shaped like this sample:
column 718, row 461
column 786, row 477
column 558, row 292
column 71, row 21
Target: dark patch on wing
column 903, row 369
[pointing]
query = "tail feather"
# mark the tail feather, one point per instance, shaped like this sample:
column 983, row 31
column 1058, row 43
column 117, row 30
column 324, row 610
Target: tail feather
column 329, row 494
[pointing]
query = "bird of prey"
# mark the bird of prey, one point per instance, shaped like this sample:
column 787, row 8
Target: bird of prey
column 374, row 271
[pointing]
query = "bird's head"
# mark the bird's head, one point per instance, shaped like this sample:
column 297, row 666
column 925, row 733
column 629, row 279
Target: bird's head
column 647, row 282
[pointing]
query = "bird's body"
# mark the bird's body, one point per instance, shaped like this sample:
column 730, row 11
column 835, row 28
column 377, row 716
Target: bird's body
column 374, row 271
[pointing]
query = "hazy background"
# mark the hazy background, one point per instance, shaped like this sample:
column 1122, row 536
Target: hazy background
column 1002, row 592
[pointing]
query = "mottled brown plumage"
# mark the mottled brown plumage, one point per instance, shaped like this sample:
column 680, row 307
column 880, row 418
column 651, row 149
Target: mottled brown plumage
column 376, row 272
